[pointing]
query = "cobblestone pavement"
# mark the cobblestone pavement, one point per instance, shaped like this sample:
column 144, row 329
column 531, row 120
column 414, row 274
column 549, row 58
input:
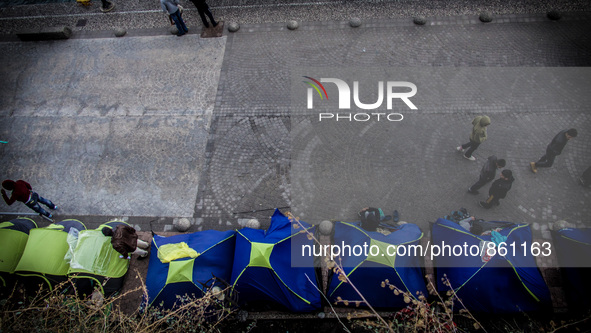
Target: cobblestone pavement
column 250, row 152
column 140, row 14
column 111, row 127
column 141, row 128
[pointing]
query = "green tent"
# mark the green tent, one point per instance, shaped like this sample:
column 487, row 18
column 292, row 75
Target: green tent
column 13, row 239
column 43, row 257
column 95, row 263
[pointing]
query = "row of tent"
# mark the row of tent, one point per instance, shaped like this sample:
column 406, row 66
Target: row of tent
column 264, row 269
column 49, row 256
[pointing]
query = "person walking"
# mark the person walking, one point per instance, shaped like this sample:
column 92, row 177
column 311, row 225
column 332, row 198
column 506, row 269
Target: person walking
column 477, row 137
column 488, row 173
column 498, row 190
column 554, row 149
column 23, row 192
column 171, row 7
column 203, row 9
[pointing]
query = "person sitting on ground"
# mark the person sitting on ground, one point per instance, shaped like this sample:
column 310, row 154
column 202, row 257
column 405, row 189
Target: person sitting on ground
column 125, row 241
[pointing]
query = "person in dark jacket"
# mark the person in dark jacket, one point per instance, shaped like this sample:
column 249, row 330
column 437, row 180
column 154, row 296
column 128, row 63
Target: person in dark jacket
column 23, row 192
column 554, row 149
column 203, row 9
column 498, row 190
column 125, row 241
column 370, row 218
column 488, row 173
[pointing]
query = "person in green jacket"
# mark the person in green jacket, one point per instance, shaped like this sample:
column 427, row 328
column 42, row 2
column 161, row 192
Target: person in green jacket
column 477, row 137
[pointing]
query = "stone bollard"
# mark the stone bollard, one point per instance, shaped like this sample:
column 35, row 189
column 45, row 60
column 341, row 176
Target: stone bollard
column 419, row 20
column 355, row 22
column 119, row 32
column 233, row 27
column 253, row 224
column 182, row 224
column 485, row 17
column 325, row 227
column 292, row 25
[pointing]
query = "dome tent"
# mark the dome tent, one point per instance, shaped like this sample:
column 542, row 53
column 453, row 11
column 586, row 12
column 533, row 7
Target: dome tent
column 495, row 284
column 13, row 239
column 573, row 249
column 214, row 251
column 367, row 272
column 43, row 257
column 263, row 270
column 95, row 263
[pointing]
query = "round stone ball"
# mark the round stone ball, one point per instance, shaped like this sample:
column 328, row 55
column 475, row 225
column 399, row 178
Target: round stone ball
column 292, row 25
column 183, row 224
column 485, row 17
column 120, row 32
column 233, row 27
column 325, row 227
column 217, row 293
column 355, row 22
column 560, row 225
column 253, row 224
column 420, row 20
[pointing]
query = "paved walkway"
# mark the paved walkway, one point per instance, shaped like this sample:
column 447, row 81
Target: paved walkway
column 414, row 167
column 155, row 127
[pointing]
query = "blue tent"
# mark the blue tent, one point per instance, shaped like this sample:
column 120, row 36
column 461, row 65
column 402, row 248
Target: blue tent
column 263, row 271
column 573, row 249
column 188, row 275
column 494, row 284
column 367, row 271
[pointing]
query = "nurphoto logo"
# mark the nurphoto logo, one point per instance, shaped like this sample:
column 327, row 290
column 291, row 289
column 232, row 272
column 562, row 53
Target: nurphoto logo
column 392, row 92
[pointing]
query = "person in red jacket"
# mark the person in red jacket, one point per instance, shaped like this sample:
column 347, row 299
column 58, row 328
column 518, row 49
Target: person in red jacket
column 22, row 191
